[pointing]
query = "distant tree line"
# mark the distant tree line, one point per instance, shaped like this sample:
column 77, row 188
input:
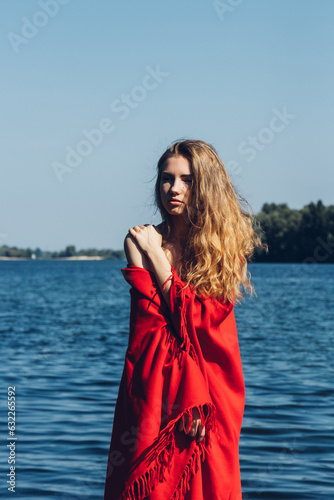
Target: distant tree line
column 6, row 251
column 69, row 251
column 90, row 252
column 305, row 235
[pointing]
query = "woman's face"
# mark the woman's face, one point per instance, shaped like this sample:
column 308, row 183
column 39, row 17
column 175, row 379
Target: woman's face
column 176, row 181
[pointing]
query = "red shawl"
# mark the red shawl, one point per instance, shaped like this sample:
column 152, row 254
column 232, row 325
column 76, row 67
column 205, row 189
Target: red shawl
column 176, row 360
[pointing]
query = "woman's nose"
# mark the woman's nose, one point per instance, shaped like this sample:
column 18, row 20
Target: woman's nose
column 176, row 187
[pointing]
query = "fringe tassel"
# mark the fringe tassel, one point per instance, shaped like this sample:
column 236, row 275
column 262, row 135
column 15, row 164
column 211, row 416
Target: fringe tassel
column 189, row 472
column 164, row 285
column 198, row 454
column 161, row 456
column 183, row 337
column 186, row 345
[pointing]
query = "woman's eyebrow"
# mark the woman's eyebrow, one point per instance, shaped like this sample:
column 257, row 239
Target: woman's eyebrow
column 172, row 175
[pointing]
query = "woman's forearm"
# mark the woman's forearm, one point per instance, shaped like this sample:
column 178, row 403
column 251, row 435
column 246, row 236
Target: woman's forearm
column 162, row 270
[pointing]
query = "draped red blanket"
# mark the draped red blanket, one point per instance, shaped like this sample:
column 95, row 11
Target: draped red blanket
column 177, row 359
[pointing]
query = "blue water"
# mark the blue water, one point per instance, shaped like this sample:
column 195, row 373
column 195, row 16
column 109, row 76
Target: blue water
column 64, row 329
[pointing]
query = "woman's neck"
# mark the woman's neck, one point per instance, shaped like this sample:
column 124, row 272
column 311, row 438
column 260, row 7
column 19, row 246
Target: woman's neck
column 179, row 230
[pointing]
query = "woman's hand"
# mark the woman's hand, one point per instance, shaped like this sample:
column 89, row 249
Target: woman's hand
column 147, row 237
column 196, row 426
column 149, row 241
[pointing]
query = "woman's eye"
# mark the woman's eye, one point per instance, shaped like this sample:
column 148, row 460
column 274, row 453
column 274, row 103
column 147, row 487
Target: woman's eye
column 168, row 179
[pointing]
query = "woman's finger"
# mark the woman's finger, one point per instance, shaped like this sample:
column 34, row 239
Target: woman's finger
column 200, row 433
column 194, row 427
column 195, row 430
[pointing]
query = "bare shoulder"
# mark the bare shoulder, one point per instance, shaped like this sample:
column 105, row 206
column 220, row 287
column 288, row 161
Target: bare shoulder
column 134, row 255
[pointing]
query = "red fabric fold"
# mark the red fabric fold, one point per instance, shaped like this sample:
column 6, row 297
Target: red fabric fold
column 178, row 358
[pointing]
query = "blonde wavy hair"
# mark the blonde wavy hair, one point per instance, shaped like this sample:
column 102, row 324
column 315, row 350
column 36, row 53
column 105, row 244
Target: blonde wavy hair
column 222, row 235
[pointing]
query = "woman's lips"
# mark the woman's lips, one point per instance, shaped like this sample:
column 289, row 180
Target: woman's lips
column 175, row 202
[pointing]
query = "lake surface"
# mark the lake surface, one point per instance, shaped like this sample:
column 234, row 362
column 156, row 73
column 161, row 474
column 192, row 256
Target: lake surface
column 64, row 332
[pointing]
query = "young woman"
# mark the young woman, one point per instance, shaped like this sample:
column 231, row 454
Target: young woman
column 181, row 399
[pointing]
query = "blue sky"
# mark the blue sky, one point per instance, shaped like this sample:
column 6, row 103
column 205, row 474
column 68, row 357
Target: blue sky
column 254, row 78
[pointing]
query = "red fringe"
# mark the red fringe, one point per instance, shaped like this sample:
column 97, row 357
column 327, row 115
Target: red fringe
column 181, row 305
column 161, row 456
column 189, row 472
column 164, row 285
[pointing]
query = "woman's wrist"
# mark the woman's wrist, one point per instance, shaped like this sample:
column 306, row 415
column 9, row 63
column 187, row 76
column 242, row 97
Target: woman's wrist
column 155, row 252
